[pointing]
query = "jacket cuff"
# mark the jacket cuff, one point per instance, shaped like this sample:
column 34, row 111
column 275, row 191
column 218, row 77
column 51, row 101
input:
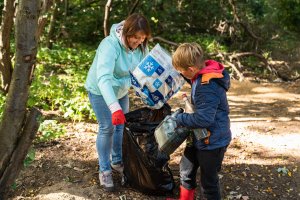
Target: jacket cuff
column 114, row 107
column 179, row 119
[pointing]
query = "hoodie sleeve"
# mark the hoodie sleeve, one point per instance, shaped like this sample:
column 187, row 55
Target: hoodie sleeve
column 106, row 60
column 206, row 104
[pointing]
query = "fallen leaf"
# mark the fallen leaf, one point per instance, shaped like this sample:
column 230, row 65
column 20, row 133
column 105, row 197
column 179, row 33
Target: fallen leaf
column 232, row 192
column 78, row 169
column 122, row 197
column 283, row 170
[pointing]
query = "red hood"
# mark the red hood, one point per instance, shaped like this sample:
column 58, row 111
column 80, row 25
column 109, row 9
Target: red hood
column 211, row 67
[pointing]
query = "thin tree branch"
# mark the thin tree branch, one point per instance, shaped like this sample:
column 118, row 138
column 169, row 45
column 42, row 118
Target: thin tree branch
column 240, row 74
column 164, row 41
column 5, row 32
column 136, row 3
column 106, row 16
column 46, row 6
column 243, row 24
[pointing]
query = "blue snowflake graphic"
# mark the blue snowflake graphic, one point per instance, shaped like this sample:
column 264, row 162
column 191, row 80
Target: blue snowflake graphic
column 149, row 65
column 157, row 83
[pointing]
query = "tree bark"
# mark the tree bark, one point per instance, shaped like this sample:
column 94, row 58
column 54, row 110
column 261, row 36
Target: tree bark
column 106, row 17
column 15, row 108
column 47, row 4
column 19, row 154
column 50, row 37
column 5, row 58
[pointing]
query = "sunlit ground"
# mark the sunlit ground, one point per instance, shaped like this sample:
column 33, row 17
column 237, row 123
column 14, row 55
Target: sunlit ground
column 265, row 124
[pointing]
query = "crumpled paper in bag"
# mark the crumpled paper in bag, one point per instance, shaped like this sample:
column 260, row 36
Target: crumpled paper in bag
column 155, row 79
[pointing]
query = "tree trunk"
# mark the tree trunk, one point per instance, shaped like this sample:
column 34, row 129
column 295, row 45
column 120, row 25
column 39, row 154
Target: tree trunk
column 5, row 58
column 20, row 152
column 47, row 4
column 106, row 17
column 50, row 37
column 66, row 9
column 14, row 114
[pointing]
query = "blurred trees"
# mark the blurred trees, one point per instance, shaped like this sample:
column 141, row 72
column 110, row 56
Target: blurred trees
column 265, row 29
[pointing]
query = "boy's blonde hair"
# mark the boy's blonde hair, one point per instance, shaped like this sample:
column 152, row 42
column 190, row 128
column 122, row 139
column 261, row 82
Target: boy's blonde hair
column 188, row 55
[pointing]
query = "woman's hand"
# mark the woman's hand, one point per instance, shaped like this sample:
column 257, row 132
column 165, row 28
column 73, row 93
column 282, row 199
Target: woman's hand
column 117, row 115
column 118, row 118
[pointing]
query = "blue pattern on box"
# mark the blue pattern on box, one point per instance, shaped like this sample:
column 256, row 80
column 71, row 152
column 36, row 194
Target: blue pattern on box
column 134, row 81
column 148, row 66
column 157, row 96
column 149, row 102
column 145, row 90
column 155, row 80
column 157, row 83
column 137, row 94
column 170, row 94
column 169, row 81
column 159, row 70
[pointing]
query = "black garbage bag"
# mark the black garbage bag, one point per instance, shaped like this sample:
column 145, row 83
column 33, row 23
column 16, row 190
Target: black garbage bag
column 145, row 167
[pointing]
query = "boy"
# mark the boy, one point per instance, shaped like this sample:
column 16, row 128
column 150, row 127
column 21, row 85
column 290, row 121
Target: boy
column 210, row 83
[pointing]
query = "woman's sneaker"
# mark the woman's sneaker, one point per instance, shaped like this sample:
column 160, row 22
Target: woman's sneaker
column 106, row 181
column 120, row 169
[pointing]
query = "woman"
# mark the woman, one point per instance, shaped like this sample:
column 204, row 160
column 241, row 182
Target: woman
column 107, row 84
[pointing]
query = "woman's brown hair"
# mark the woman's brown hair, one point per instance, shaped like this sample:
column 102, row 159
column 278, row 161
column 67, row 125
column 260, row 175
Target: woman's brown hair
column 133, row 24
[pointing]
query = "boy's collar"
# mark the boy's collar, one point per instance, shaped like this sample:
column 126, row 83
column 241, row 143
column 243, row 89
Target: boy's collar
column 212, row 69
column 206, row 77
column 195, row 77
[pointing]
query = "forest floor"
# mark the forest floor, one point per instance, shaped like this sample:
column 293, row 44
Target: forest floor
column 262, row 161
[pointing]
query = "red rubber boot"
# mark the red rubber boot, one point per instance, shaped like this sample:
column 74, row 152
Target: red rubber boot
column 186, row 194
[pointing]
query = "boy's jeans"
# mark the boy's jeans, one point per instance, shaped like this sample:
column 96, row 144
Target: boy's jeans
column 109, row 138
column 210, row 162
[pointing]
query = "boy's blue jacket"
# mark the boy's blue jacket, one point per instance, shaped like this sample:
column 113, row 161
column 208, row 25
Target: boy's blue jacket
column 109, row 74
column 211, row 107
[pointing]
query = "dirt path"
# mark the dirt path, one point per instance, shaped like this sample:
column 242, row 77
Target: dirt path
column 262, row 162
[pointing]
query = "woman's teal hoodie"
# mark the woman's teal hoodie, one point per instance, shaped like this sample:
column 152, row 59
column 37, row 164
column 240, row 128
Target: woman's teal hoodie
column 109, row 73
